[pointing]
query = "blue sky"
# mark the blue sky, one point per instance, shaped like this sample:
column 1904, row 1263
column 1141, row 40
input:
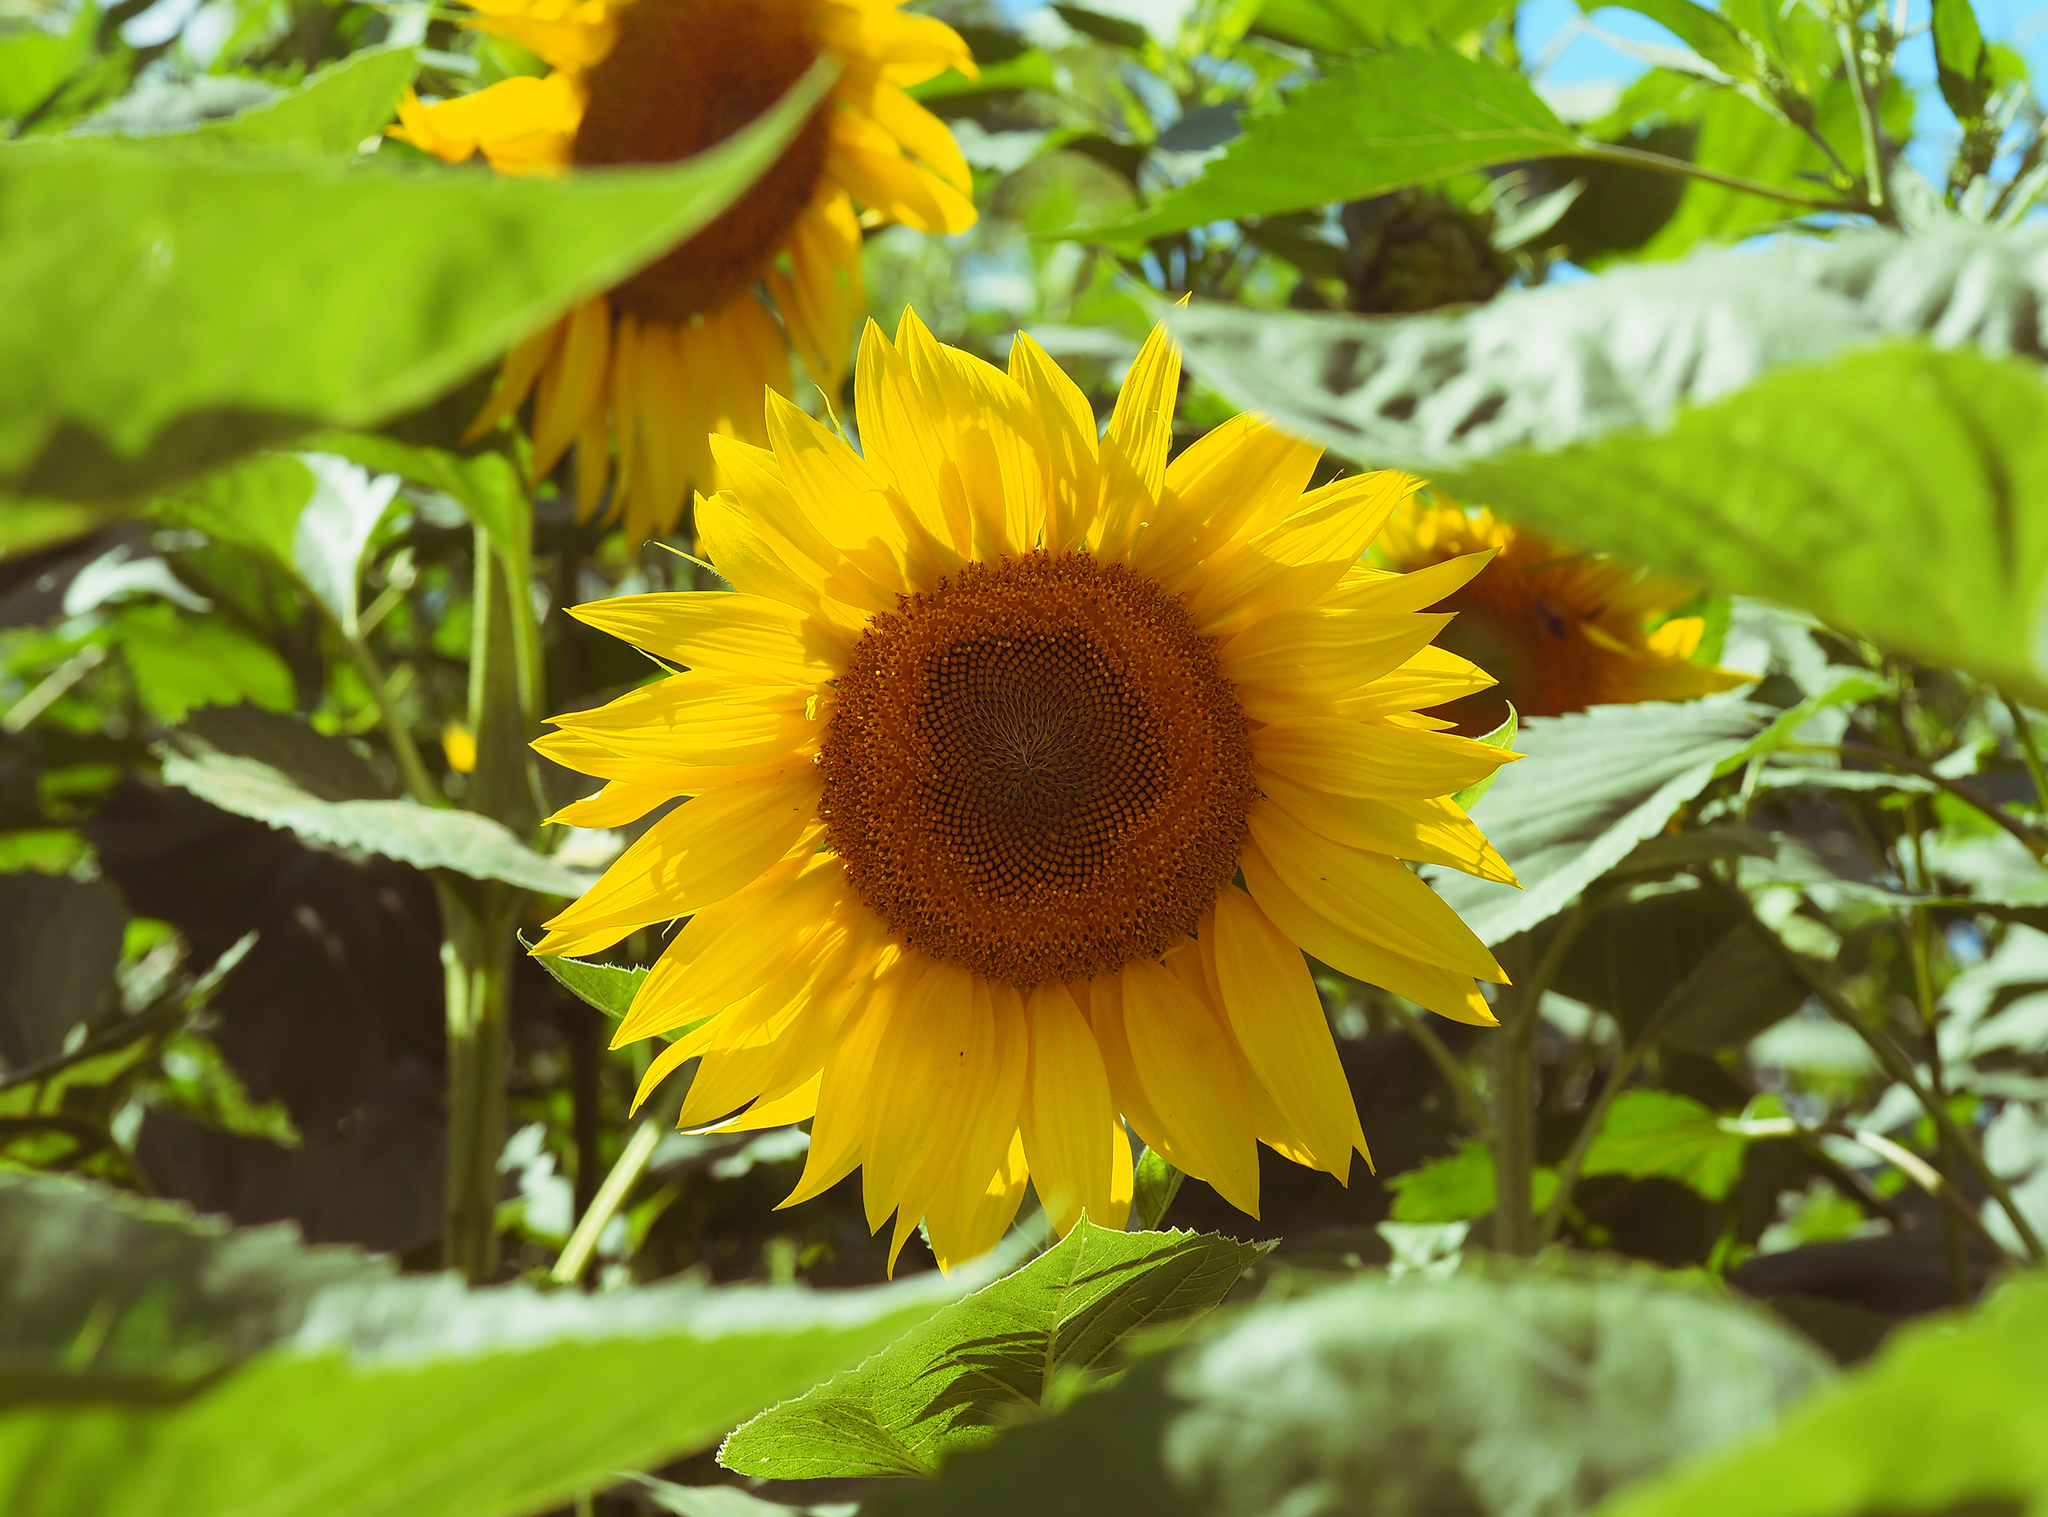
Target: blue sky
column 1585, row 59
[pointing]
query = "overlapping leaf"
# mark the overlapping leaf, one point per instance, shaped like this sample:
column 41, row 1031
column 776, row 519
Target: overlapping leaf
column 951, row 1382
column 215, row 1374
column 170, row 309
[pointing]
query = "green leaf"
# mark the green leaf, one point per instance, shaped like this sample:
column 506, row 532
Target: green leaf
column 998, row 1355
column 1114, row 30
column 334, row 528
column 1460, row 1188
column 1154, row 1184
column 35, row 61
column 1947, row 1418
column 1587, row 790
column 486, row 485
column 332, row 113
column 606, row 986
column 1706, row 32
column 1344, row 26
column 222, row 766
column 1531, row 1394
column 1654, row 1132
column 1371, row 125
column 1892, row 491
column 26, row 526
column 61, row 942
column 182, row 662
column 1502, row 736
column 1962, row 63
column 1682, row 957
column 170, row 310
column 180, row 1371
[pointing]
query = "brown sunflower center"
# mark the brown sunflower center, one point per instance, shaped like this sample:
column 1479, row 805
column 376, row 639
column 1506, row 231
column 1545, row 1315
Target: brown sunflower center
column 1037, row 770
column 683, row 76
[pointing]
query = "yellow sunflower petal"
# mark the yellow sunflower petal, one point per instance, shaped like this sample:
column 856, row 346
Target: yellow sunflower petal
column 1193, row 1081
column 619, row 802
column 697, row 855
column 1370, row 759
column 1371, row 894
column 1310, row 654
column 1428, row 830
column 710, row 629
column 1069, row 1125
column 729, row 948
column 846, row 1096
column 1075, row 488
column 1279, row 1022
column 1136, row 442
column 572, row 386
column 1443, row 991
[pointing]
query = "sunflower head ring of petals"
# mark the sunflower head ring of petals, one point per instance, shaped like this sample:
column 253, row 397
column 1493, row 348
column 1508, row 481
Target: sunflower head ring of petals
column 1037, row 769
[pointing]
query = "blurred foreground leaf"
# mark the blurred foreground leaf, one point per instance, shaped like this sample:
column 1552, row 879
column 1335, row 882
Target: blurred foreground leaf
column 1895, row 491
column 217, row 1374
column 996, row 1356
column 160, row 316
column 1951, row 1417
column 1532, row 1395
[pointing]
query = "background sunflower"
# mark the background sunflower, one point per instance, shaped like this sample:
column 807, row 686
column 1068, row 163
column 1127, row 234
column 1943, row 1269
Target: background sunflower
column 639, row 378
column 1560, row 629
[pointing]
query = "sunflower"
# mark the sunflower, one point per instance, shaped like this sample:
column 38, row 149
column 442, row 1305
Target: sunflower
column 1560, row 629
column 685, row 348
column 1024, row 766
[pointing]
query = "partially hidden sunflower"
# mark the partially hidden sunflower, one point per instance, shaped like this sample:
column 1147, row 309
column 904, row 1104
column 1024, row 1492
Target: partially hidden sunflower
column 1560, row 629
column 685, row 348
column 1024, row 767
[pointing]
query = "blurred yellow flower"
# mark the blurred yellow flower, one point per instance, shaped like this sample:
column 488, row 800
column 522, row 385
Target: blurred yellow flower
column 686, row 347
column 458, row 746
column 1560, row 629
column 998, row 717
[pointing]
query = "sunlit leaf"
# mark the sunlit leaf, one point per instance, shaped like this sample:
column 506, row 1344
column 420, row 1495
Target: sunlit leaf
column 1948, row 1418
column 1371, row 125
column 950, row 1383
column 169, row 310
column 185, row 1371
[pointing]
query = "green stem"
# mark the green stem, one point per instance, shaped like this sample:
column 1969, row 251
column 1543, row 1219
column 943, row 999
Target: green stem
column 1877, row 188
column 1900, row 1068
column 476, row 970
column 2030, row 751
column 1448, row 1066
column 418, row 783
column 625, row 1174
column 1632, row 1054
column 2031, row 838
column 1636, row 158
column 1514, row 1105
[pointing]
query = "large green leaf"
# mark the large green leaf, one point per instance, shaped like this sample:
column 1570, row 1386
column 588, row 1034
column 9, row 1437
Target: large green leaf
column 168, row 309
column 1531, row 1396
column 1895, row 491
column 189, row 1373
column 1371, row 125
column 254, row 777
column 332, row 113
column 1001, row 1353
column 1950, row 1417
column 1588, row 789
column 1657, row 1132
